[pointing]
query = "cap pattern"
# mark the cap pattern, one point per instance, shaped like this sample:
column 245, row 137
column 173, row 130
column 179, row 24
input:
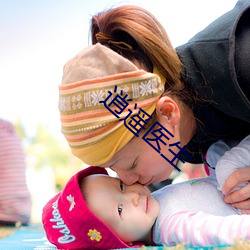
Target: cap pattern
column 93, row 132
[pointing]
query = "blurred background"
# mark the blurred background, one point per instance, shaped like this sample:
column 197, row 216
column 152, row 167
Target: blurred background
column 36, row 40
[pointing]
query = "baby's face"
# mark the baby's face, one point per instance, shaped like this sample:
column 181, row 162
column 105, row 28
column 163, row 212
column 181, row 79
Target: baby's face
column 130, row 211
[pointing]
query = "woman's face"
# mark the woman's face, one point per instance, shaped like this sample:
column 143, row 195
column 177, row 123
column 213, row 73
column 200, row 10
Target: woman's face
column 139, row 162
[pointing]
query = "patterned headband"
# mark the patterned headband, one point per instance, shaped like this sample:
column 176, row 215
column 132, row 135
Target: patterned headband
column 99, row 91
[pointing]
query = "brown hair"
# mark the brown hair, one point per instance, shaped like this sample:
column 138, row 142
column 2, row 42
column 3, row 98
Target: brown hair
column 136, row 34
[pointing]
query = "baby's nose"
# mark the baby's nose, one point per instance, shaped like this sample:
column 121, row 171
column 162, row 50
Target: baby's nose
column 133, row 198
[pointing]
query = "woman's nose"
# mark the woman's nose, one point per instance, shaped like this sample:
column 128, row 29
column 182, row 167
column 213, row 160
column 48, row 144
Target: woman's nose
column 126, row 177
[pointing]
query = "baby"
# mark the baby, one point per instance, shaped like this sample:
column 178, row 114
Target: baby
column 96, row 211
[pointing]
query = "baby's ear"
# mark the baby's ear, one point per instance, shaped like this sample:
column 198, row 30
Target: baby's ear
column 168, row 111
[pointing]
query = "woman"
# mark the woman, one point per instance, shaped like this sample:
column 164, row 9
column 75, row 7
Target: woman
column 206, row 95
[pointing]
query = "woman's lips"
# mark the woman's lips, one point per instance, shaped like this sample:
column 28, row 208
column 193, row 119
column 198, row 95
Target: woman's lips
column 148, row 183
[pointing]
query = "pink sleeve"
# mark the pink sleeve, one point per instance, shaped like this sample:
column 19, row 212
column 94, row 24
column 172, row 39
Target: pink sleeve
column 201, row 229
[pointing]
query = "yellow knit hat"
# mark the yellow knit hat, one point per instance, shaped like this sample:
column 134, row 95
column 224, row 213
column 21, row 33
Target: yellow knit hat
column 94, row 132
